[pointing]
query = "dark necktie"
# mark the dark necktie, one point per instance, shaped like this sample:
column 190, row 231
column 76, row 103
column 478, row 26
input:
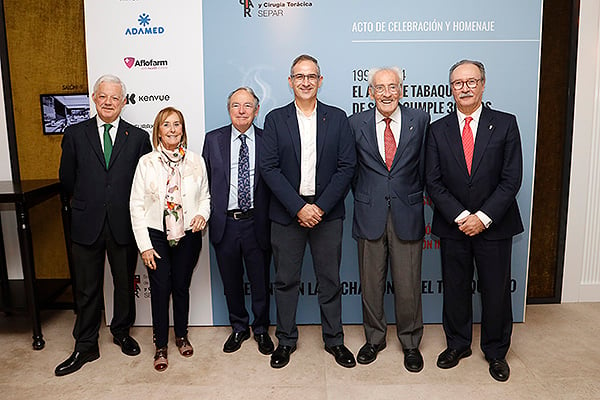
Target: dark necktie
column 389, row 144
column 244, row 176
column 468, row 143
column 108, row 146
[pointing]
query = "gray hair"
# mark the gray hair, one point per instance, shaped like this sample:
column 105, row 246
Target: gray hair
column 305, row 57
column 247, row 89
column 478, row 64
column 375, row 70
column 111, row 79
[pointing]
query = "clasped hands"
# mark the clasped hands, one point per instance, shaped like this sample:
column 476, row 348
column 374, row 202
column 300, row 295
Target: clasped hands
column 471, row 225
column 198, row 223
column 309, row 215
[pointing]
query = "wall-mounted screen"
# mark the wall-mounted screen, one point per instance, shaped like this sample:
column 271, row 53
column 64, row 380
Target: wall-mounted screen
column 62, row 110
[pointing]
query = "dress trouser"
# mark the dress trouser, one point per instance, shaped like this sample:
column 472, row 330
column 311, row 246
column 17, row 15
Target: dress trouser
column 404, row 259
column 88, row 262
column 289, row 245
column 239, row 248
column 172, row 277
column 492, row 258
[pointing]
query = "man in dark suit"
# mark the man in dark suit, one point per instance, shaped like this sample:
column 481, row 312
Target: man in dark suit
column 240, row 233
column 308, row 162
column 389, row 222
column 98, row 176
column 473, row 178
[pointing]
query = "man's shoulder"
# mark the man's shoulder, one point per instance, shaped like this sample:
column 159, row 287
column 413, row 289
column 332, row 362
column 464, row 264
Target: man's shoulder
column 497, row 113
column 414, row 112
column 131, row 129
column 80, row 126
column 444, row 120
column 280, row 111
column 362, row 116
column 218, row 131
column 330, row 109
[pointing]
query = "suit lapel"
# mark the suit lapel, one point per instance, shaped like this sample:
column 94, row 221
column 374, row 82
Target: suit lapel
column 294, row 131
column 485, row 128
column 224, row 141
column 257, row 148
column 120, row 142
column 406, row 131
column 321, row 130
column 369, row 132
column 93, row 137
column 454, row 139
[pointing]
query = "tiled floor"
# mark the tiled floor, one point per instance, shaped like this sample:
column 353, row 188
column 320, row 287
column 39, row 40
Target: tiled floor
column 555, row 355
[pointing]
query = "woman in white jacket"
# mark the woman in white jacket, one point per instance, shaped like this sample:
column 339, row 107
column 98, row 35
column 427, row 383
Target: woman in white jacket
column 170, row 205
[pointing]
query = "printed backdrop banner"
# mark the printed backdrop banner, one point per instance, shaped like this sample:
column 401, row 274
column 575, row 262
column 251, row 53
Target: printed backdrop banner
column 155, row 47
column 183, row 52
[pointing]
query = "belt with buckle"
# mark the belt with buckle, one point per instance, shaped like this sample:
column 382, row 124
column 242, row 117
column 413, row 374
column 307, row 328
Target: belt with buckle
column 239, row 214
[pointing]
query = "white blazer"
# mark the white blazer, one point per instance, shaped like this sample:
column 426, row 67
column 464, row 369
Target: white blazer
column 148, row 192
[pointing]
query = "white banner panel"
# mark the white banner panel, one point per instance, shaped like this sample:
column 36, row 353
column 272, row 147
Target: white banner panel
column 155, row 47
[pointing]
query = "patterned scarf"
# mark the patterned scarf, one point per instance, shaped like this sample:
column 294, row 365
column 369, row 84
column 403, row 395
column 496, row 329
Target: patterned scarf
column 171, row 160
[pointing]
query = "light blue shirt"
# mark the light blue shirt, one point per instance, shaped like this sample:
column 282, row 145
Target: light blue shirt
column 236, row 143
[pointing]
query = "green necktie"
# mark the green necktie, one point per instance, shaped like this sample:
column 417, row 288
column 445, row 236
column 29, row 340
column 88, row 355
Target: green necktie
column 108, row 146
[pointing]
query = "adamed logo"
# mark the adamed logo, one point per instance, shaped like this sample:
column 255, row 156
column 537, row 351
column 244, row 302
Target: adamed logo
column 131, row 62
column 247, row 6
column 144, row 27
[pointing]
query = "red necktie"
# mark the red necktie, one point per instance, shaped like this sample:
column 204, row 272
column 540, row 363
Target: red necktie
column 389, row 144
column 468, row 143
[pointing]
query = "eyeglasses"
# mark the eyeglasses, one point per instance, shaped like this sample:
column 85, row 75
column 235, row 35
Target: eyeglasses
column 245, row 106
column 312, row 78
column 380, row 89
column 471, row 84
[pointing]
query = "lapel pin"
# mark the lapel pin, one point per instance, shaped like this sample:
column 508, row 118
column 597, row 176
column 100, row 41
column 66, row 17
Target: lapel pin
column 490, row 127
column 410, row 129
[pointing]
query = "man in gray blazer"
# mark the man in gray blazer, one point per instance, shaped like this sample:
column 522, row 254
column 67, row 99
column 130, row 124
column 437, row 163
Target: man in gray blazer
column 388, row 214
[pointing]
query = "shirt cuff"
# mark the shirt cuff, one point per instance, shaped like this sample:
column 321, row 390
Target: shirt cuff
column 462, row 215
column 484, row 219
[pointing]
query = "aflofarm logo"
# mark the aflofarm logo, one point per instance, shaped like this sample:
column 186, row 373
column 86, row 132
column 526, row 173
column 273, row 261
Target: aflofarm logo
column 151, row 64
column 145, row 28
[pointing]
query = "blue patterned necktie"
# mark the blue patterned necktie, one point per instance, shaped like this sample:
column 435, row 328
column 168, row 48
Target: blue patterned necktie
column 244, row 176
column 108, row 146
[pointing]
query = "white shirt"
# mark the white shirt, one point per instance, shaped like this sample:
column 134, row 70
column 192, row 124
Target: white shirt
column 308, row 153
column 236, row 143
column 473, row 124
column 395, row 125
column 112, row 132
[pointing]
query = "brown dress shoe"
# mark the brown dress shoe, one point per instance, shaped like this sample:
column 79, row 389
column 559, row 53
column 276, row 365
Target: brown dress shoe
column 184, row 346
column 160, row 359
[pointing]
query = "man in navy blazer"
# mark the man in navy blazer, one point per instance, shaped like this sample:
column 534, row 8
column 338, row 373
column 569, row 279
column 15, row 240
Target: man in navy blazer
column 240, row 237
column 473, row 178
column 389, row 223
column 308, row 162
column 97, row 176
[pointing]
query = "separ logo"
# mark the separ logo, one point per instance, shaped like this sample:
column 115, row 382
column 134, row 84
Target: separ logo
column 129, row 61
column 247, row 5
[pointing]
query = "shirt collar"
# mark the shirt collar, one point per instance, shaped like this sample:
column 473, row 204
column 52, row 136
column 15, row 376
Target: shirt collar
column 101, row 123
column 394, row 117
column 299, row 112
column 475, row 115
column 235, row 134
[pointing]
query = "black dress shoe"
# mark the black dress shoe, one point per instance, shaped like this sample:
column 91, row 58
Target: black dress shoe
column 235, row 340
column 342, row 355
column 449, row 358
column 368, row 353
column 499, row 369
column 265, row 344
column 75, row 362
column 281, row 356
column 128, row 345
column 413, row 360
